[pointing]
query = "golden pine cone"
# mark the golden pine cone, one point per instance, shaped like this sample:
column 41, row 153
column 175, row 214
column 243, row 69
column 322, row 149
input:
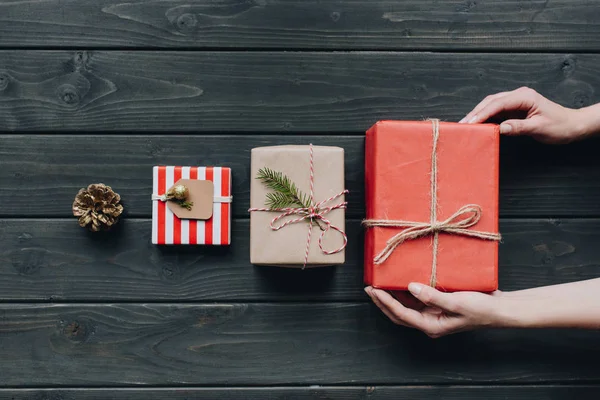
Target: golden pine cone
column 97, row 207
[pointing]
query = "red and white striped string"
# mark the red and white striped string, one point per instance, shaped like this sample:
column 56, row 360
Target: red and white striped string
column 316, row 212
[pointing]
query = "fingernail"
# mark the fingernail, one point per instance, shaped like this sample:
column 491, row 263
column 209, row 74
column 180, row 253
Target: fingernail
column 462, row 121
column 505, row 128
column 473, row 119
column 415, row 288
column 368, row 290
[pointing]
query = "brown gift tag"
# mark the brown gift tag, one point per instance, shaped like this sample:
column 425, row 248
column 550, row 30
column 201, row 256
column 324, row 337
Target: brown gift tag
column 201, row 194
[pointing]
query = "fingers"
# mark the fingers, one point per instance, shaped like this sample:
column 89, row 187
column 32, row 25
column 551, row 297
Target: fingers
column 433, row 324
column 472, row 115
column 433, row 297
column 519, row 127
column 520, row 99
column 388, row 313
column 408, row 300
column 396, row 311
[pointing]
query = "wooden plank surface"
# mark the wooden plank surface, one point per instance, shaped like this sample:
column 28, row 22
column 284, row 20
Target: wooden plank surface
column 41, row 174
column 332, row 24
column 55, row 260
column 517, row 392
column 269, row 344
column 319, row 92
column 103, row 90
column 38, row 168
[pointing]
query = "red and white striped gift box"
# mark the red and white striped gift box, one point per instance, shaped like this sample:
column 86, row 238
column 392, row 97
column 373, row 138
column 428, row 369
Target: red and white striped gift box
column 169, row 229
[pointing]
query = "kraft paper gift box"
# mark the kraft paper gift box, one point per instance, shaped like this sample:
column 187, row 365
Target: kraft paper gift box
column 208, row 222
column 432, row 205
column 286, row 246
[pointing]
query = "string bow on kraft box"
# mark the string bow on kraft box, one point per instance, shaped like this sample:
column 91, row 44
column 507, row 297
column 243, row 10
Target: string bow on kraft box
column 297, row 201
column 432, row 205
column 191, row 205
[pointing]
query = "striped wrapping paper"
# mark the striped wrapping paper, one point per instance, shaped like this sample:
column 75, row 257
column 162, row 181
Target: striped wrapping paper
column 169, row 229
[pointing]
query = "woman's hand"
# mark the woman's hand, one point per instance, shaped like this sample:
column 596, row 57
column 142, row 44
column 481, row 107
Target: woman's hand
column 526, row 112
column 436, row 313
column 570, row 305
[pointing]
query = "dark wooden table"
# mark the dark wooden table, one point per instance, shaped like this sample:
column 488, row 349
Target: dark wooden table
column 100, row 91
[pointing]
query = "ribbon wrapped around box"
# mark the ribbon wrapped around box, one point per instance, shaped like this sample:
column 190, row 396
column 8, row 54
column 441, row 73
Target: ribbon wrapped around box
column 191, row 205
column 432, row 205
column 308, row 231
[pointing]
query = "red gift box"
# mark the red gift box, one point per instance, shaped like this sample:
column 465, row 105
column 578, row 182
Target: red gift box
column 432, row 205
column 170, row 229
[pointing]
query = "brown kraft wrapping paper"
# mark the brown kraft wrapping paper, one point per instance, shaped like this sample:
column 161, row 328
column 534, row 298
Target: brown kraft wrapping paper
column 286, row 247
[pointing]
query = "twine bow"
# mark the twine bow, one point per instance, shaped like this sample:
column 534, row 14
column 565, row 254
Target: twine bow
column 315, row 214
column 458, row 223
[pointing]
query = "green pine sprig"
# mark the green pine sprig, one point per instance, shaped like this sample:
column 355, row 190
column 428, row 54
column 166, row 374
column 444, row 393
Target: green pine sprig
column 285, row 193
column 185, row 204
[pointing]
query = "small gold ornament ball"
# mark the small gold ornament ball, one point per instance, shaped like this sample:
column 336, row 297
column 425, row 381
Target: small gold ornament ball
column 180, row 192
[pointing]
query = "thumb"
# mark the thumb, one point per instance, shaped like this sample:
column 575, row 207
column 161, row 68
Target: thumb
column 518, row 127
column 432, row 297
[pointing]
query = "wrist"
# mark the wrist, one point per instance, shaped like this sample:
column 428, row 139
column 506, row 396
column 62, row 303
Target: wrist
column 511, row 311
column 586, row 121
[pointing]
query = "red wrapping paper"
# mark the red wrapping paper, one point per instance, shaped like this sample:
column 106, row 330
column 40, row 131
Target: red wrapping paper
column 398, row 167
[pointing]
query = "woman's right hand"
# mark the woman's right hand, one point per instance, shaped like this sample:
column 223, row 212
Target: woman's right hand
column 540, row 118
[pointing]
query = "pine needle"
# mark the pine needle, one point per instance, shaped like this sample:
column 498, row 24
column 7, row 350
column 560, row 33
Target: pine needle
column 186, row 204
column 286, row 194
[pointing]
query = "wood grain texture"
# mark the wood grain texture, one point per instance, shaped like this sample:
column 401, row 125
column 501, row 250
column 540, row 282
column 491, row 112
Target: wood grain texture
column 517, row 392
column 41, row 174
column 125, row 163
column 201, row 322
column 270, row 344
column 319, row 92
column 331, row 24
column 55, row 260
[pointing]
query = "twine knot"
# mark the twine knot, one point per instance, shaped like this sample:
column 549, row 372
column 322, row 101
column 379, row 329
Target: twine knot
column 162, row 198
column 458, row 223
column 436, row 227
column 314, row 213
